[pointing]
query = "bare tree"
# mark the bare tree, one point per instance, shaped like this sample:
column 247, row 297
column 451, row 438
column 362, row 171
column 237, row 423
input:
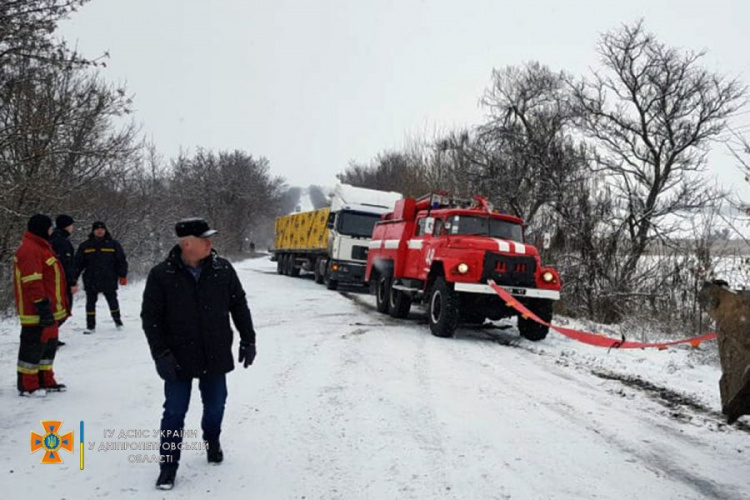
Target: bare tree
column 400, row 171
column 57, row 136
column 653, row 113
column 235, row 191
column 525, row 150
column 26, row 28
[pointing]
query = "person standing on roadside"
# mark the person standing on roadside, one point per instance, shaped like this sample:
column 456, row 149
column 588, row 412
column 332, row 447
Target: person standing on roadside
column 101, row 261
column 60, row 240
column 39, row 286
column 187, row 303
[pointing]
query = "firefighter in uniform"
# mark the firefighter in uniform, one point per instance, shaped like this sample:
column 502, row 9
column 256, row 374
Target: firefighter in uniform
column 41, row 303
column 103, row 264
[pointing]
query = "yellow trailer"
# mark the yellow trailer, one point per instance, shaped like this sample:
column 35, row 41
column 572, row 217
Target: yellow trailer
column 302, row 231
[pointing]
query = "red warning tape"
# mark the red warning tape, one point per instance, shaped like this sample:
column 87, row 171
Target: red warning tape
column 593, row 338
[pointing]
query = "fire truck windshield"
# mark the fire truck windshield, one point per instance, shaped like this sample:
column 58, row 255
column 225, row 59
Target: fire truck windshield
column 494, row 228
column 356, row 223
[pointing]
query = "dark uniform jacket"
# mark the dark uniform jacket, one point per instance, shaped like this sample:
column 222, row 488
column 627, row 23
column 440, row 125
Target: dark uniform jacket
column 66, row 253
column 191, row 318
column 102, row 261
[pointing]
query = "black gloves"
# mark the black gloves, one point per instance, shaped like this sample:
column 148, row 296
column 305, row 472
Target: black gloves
column 247, row 353
column 44, row 310
column 167, row 366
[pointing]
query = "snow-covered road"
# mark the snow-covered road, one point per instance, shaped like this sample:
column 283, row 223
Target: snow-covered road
column 345, row 403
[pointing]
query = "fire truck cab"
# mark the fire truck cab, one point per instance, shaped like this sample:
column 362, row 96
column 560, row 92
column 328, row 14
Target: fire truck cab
column 443, row 252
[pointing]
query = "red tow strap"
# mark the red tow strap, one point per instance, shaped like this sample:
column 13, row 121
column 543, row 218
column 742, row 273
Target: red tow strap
column 593, row 338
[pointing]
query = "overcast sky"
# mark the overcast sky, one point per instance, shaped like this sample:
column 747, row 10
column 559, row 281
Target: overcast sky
column 312, row 85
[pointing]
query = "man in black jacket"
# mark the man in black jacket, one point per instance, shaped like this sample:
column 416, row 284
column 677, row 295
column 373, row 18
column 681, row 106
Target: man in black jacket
column 60, row 240
column 187, row 303
column 103, row 264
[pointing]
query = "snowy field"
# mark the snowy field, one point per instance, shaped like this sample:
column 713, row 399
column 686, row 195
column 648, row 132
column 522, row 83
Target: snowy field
column 344, row 403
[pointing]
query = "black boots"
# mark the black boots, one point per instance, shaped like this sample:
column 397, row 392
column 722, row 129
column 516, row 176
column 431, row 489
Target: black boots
column 166, row 478
column 214, row 453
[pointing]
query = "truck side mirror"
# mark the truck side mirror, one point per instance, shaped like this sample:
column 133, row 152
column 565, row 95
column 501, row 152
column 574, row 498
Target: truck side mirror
column 331, row 220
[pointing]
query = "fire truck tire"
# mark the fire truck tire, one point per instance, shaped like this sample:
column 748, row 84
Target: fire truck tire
column 319, row 271
column 531, row 330
column 442, row 309
column 399, row 303
column 382, row 293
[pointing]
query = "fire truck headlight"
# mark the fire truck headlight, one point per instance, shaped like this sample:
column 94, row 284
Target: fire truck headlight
column 463, row 268
column 548, row 277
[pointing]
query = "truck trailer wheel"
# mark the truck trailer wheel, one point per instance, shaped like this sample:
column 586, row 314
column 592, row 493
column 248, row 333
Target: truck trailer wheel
column 382, row 293
column 294, row 269
column 530, row 329
column 280, row 264
column 399, row 303
column 442, row 309
column 319, row 270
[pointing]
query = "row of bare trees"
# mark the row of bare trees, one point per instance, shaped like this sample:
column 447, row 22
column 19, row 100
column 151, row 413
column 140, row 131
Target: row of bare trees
column 612, row 165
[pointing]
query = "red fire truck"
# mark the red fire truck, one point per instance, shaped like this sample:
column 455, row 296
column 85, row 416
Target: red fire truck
column 443, row 252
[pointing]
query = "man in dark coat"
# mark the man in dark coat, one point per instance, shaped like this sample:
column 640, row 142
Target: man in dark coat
column 102, row 262
column 187, row 303
column 60, row 240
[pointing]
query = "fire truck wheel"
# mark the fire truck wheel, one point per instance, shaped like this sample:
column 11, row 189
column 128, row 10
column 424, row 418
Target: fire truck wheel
column 399, row 303
column 531, row 330
column 442, row 309
column 319, row 270
column 382, row 293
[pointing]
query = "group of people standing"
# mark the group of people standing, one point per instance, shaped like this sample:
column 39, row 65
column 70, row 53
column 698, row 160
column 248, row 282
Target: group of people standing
column 46, row 271
column 187, row 304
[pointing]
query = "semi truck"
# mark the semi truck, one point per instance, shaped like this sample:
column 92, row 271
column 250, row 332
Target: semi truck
column 332, row 242
column 444, row 252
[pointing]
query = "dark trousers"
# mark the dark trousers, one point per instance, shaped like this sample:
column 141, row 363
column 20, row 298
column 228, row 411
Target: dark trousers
column 35, row 357
column 114, row 307
column 176, row 401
